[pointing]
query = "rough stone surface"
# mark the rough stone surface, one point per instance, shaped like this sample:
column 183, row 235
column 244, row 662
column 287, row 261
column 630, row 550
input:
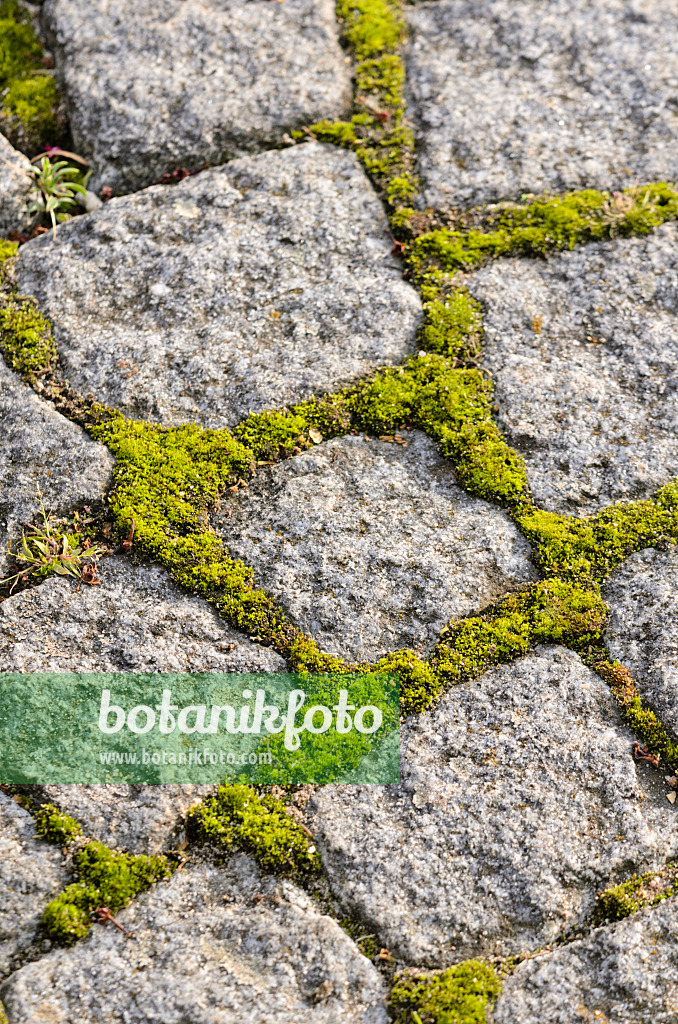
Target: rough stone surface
column 533, row 96
column 519, row 802
column 42, row 453
column 246, row 287
column 371, row 546
column 643, row 631
column 31, row 874
column 213, row 946
column 14, row 188
column 626, row 973
column 135, row 620
column 583, row 351
column 186, row 82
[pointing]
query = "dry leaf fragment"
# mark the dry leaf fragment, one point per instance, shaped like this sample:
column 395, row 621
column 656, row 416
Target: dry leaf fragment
column 671, row 797
column 315, row 435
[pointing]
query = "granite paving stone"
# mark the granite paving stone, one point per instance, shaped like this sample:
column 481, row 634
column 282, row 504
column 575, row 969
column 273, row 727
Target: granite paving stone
column 520, row 96
column 213, row 946
column 371, row 545
column 582, row 348
column 43, row 456
column 246, row 287
column 134, row 620
column 643, row 631
column 31, row 873
column 519, row 802
column 15, row 184
column 182, row 83
column 626, row 973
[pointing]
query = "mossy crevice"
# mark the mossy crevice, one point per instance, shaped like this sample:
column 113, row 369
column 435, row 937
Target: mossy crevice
column 540, row 225
column 641, row 719
column 106, row 878
column 646, row 890
column 30, row 111
column 464, row 994
column 238, row 817
column 588, row 549
column 378, row 133
column 548, row 612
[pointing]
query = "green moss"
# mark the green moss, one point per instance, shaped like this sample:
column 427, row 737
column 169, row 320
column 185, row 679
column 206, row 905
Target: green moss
column 68, row 917
column 419, row 683
column 20, row 50
column 589, row 548
column 646, row 890
column 459, row 995
column 454, row 407
column 542, row 225
column 33, row 103
column 8, row 251
column 238, row 817
column 26, row 338
column 550, row 611
column 640, row 719
column 374, row 30
column 55, row 826
column 106, row 879
column 370, row 26
column 29, row 98
column 454, row 327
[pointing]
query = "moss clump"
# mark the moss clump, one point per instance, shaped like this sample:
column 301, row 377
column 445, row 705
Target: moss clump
column 548, row 612
column 68, row 917
column 25, row 337
column 29, row 110
column 106, row 879
column 646, row 890
column 378, row 133
column 459, row 995
column 419, row 682
column 8, row 251
column 55, row 826
column 165, row 480
column 238, row 817
column 453, row 327
column 542, row 225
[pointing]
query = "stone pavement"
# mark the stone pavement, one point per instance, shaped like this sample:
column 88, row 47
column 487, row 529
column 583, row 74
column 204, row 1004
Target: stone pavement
column 473, row 484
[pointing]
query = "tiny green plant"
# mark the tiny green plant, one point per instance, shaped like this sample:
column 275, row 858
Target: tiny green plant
column 54, row 546
column 54, row 189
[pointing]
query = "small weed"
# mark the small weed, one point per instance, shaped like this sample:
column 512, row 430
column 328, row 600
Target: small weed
column 58, row 546
column 54, row 189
